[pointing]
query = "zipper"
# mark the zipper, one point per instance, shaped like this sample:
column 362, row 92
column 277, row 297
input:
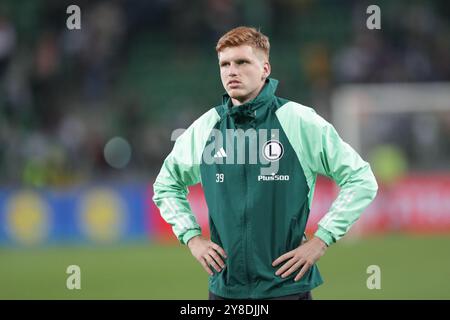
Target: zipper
column 246, row 227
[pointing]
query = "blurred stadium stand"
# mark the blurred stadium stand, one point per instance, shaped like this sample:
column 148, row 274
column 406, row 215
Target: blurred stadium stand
column 141, row 69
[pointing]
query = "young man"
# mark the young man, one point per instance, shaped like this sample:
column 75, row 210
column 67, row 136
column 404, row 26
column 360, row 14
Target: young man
column 259, row 200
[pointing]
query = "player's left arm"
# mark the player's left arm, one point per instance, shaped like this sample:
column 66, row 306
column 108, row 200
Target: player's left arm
column 358, row 186
column 329, row 155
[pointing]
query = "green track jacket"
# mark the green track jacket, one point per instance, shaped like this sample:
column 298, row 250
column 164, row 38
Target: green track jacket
column 258, row 164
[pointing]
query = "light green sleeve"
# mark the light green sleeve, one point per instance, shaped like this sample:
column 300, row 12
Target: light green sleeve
column 181, row 169
column 322, row 151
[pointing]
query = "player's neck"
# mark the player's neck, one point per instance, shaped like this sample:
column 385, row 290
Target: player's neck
column 237, row 102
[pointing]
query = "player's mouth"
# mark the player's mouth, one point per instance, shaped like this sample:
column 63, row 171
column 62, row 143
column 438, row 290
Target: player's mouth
column 234, row 83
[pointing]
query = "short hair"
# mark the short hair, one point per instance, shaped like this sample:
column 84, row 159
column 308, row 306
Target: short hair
column 244, row 35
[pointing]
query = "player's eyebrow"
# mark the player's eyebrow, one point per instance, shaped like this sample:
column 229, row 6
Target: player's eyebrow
column 237, row 60
column 242, row 60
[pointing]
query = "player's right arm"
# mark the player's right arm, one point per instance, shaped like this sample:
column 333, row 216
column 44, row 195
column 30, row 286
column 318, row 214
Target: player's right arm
column 181, row 169
column 207, row 253
column 178, row 171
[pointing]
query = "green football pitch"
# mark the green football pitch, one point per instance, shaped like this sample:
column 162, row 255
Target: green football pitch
column 411, row 268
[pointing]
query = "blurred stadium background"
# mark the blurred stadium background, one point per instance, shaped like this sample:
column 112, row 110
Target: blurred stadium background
column 86, row 118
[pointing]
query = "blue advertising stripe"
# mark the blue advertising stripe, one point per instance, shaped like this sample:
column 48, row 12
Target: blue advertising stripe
column 64, row 203
column 4, row 194
column 135, row 197
column 26, row 217
column 93, row 214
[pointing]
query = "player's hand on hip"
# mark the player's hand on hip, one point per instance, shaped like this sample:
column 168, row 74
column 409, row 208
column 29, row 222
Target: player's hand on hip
column 303, row 257
column 208, row 253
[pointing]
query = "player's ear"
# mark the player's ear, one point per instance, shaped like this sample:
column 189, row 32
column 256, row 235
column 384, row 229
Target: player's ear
column 266, row 70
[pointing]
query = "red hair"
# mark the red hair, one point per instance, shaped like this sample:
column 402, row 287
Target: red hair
column 244, row 35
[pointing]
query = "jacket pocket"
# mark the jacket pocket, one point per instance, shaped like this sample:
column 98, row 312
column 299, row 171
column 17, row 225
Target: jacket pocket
column 293, row 238
column 214, row 235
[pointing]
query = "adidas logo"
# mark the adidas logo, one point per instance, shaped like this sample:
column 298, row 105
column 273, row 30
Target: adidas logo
column 220, row 154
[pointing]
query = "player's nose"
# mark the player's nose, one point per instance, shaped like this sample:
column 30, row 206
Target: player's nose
column 232, row 70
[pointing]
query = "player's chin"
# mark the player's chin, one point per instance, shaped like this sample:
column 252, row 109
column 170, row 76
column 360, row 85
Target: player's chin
column 237, row 93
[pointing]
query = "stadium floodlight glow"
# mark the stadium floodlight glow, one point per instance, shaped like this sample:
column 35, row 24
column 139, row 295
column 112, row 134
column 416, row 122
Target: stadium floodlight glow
column 117, row 152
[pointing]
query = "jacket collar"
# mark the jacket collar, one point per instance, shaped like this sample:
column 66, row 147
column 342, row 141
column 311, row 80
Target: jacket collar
column 246, row 112
column 266, row 95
